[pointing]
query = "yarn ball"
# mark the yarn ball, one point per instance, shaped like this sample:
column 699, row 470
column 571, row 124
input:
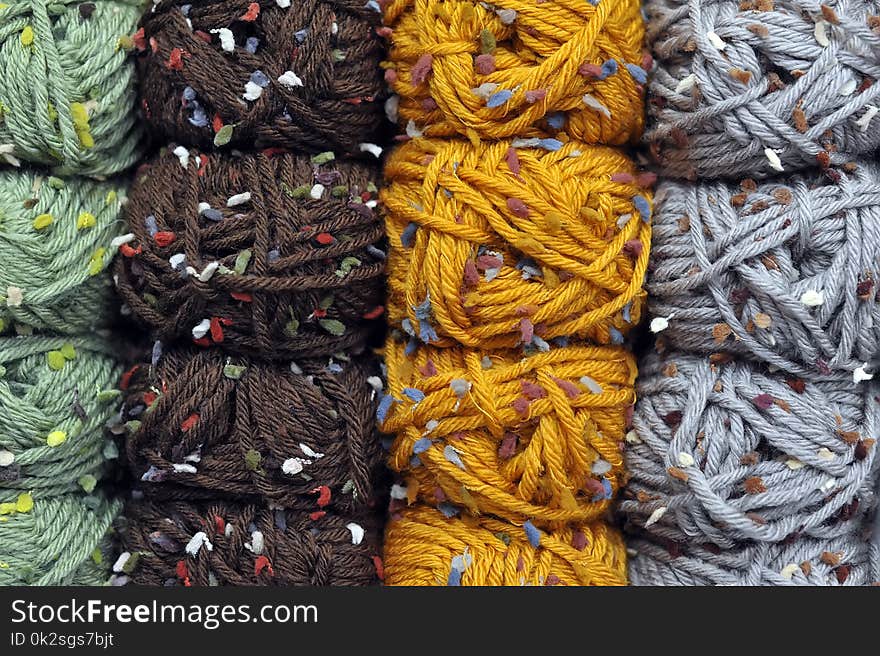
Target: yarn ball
column 304, row 76
column 497, row 70
column 743, row 477
column 217, row 543
column 67, row 95
column 270, row 255
column 536, row 438
column 783, row 271
column 56, row 395
column 514, row 242
column 56, row 240
column 211, row 427
column 423, row 547
column 55, row 540
column 754, row 87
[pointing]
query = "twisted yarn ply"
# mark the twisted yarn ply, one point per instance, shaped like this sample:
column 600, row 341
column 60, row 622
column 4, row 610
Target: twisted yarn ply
column 498, row 70
column 743, row 477
column 271, row 255
column 534, row 438
column 514, row 242
column 67, row 91
column 785, row 271
column 759, row 86
column 56, row 395
column 424, row 547
column 212, row 427
column 55, row 540
column 56, row 239
column 303, row 76
column 244, row 545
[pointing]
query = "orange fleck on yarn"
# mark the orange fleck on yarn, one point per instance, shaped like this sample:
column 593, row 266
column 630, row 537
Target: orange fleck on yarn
column 497, row 70
column 534, row 438
column 425, row 548
column 500, row 244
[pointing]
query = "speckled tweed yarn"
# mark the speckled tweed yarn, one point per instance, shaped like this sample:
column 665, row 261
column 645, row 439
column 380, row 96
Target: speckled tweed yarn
column 56, row 395
column 302, row 75
column 237, row 544
column 67, row 95
column 499, row 70
column 424, row 547
column 756, row 87
column 785, row 271
column 533, row 439
column 303, row 437
column 514, row 242
column 56, row 240
column 59, row 540
column 272, row 255
column 744, row 477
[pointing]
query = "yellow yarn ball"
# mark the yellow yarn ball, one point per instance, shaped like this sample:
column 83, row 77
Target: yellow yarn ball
column 498, row 245
column 496, row 70
column 534, row 438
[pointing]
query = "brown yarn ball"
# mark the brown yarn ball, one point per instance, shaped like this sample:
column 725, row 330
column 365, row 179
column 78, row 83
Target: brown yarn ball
column 212, row 427
column 312, row 82
column 168, row 545
column 270, row 255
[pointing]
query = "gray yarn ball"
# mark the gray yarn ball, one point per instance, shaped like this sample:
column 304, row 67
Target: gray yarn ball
column 737, row 77
column 740, row 477
column 742, row 269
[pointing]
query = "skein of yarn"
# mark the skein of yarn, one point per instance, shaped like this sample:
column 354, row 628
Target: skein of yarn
column 784, row 272
column 423, row 547
column 59, row 540
column 212, row 427
column 56, row 239
column 244, row 545
column 497, row 70
column 527, row 439
column 56, row 395
column 756, row 87
column 514, row 242
column 272, row 255
column 67, row 95
column 302, row 75
column 743, row 477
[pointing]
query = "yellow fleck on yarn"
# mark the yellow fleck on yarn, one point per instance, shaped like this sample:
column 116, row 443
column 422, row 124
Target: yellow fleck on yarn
column 497, row 70
column 497, row 244
column 523, row 438
column 423, row 547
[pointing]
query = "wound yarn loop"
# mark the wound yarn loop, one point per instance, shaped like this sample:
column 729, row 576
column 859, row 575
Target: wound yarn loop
column 67, row 95
column 755, row 88
column 499, row 70
column 304, row 76
column 265, row 255
column 52, row 277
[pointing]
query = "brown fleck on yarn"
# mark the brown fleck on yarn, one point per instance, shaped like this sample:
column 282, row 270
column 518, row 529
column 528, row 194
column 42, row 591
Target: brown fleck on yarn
column 239, row 72
column 244, row 545
column 272, row 255
column 211, row 427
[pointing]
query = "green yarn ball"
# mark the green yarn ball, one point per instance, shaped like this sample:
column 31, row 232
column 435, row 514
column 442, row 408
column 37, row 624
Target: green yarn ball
column 55, row 244
column 58, row 541
column 67, row 88
column 56, row 395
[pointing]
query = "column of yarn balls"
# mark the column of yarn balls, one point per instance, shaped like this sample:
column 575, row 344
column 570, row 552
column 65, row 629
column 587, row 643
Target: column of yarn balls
column 66, row 109
column 759, row 470
column 516, row 240
column 256, row 261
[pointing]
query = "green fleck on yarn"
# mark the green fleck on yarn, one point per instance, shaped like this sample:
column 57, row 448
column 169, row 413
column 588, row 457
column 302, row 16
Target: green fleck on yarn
column 59, row 541
column 55, row 245
column 52, row 417
column 67, row 92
